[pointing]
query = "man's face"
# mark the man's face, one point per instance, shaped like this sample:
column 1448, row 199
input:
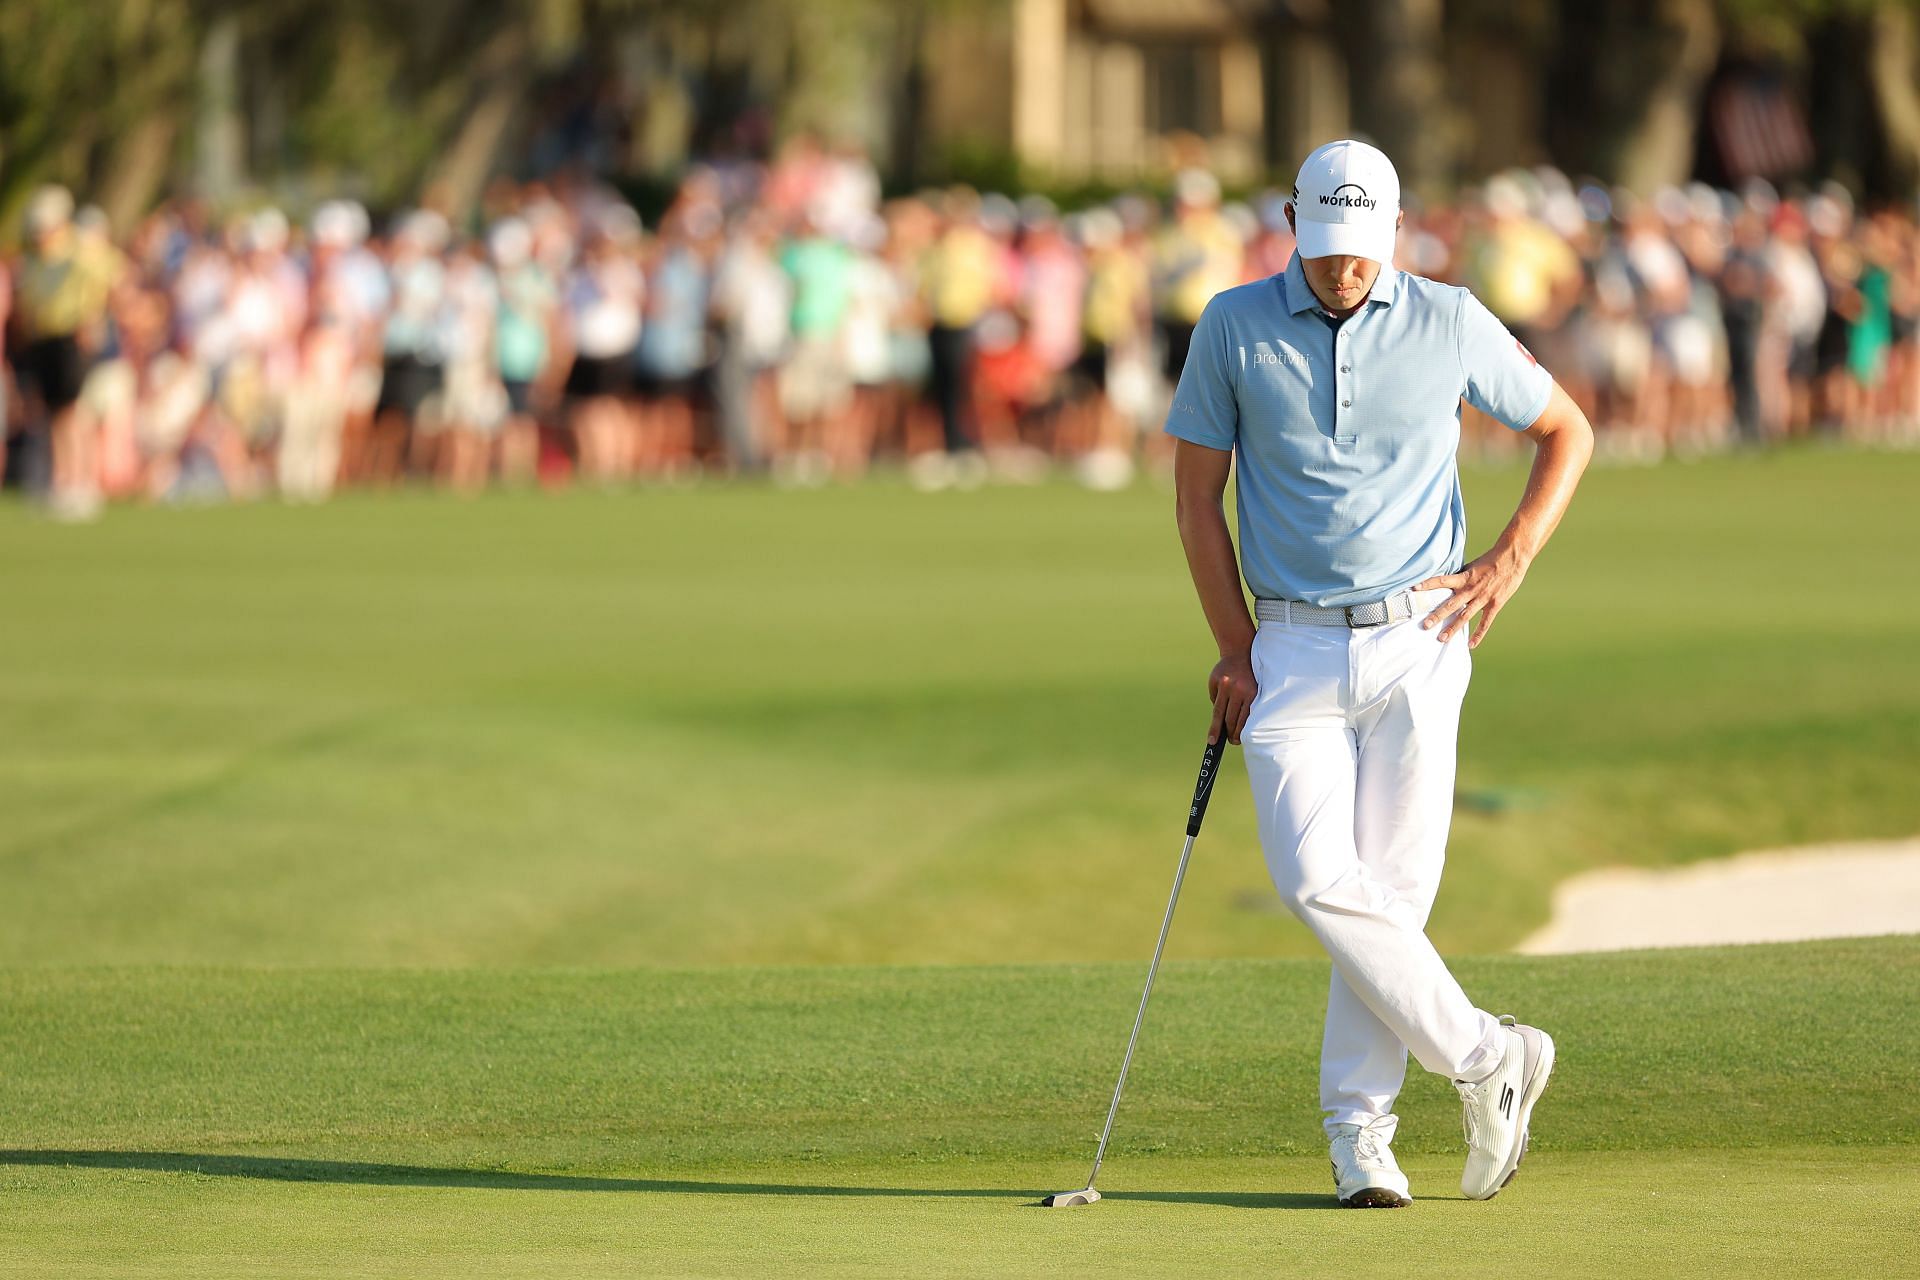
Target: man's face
column 1341, row 283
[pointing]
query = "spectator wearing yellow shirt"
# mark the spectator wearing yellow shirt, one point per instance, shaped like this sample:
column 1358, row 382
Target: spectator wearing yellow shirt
column 957, row 281
column 1197, row 256
column 1526, row 273
column 1112, row 321
column 59, row 317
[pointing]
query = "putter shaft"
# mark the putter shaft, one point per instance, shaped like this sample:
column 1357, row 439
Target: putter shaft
column 1202, row 792
column 1113, row 1108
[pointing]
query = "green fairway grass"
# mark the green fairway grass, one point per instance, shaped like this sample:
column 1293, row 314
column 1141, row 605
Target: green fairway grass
column 1776, row 1212
column 723, row 726
column 1729, row 1111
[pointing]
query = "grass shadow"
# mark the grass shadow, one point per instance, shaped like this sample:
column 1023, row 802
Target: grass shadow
column 292, row 1169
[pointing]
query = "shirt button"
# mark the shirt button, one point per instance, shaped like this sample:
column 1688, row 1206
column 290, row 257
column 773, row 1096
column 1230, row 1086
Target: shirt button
column 1346, row 404
column 1346, row 368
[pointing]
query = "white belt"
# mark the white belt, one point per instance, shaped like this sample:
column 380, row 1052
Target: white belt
column 1397, row 607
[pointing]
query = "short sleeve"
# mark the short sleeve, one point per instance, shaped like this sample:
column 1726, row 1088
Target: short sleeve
column 1205, row 409
column 1503, row 380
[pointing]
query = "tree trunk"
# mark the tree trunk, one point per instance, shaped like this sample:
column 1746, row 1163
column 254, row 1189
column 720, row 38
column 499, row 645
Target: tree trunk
column 839, row 56
column 1891, row 71
column 1624, row 87
column 909, row 113
column 502, row 75
column 221, row 140
column 1680, row 47
column 1495, row 52
column 1398, row 90
column 137, row 168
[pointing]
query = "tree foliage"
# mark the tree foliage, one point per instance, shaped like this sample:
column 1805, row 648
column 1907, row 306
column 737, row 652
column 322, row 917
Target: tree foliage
column 384, row 98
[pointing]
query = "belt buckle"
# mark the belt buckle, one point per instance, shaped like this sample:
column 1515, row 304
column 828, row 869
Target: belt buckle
column 1386, row 615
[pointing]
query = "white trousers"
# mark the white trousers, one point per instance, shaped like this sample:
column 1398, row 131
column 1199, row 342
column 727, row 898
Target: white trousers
column 1350, row 750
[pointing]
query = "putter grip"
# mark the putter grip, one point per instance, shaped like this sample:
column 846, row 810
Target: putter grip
column 1203, row 789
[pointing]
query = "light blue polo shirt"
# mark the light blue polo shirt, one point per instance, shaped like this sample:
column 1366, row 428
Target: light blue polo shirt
column 1345, row 438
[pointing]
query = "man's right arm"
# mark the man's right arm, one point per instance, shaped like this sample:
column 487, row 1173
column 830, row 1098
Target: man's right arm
column 1200, row 484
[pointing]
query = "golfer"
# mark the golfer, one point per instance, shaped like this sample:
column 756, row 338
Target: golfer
column 1337, row 386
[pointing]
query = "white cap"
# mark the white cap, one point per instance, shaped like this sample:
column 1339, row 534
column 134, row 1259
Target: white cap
column 339, row 224
column 1197, row 186
column 1347, row 202
column 511, row 242
column 269, row 230
column 48, row 209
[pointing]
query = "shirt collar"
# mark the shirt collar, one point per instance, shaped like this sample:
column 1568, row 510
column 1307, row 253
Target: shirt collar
column 1386, row 287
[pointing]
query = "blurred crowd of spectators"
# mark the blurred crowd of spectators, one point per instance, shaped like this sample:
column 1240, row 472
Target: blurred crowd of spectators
column 784, row 318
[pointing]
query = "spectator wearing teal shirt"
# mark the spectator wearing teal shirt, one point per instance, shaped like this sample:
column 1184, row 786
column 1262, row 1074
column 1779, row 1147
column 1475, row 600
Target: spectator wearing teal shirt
column 816, row 382
column 522, row 331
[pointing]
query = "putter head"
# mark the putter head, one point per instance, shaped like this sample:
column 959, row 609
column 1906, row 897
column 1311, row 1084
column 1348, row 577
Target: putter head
column 1067, row 1199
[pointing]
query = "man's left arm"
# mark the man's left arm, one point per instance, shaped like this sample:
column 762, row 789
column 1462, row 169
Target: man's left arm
column 1563, row 442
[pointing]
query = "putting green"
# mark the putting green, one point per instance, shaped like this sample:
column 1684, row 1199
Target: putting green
column 1770, row 1212
column 1726, row 1111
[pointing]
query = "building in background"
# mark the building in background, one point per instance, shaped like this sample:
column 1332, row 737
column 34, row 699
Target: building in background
column 1114, row 90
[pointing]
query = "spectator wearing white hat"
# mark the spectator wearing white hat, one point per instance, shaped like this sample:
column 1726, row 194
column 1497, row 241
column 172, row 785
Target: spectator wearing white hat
column 471, row 409
column 752, row 302
column 672, row 354
column 603, row 303
column 523, row 341
column 351, row 294
column 1196, row 256
column 412, row 344
column 958, row 284
column 873, row 298
column 59, row 316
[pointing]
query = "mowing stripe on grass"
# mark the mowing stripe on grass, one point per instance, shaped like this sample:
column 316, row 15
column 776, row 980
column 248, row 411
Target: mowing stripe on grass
column 740, row 726
column 1801, row 1044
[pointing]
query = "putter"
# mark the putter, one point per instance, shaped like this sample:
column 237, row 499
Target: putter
column 1202, row 791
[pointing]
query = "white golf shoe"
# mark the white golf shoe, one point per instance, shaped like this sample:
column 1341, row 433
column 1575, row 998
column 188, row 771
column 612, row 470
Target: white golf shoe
column 1495, row 1111
column 1365, row 1175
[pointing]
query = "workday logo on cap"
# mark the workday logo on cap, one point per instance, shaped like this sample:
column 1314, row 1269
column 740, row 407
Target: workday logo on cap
column 1349, row 196
column 1346, row 201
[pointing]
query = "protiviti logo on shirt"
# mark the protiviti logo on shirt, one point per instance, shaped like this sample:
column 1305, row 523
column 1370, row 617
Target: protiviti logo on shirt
column 1349, row 195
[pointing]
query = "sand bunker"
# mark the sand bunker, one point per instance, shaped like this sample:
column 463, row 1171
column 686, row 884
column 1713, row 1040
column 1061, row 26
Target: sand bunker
column 1781, row 895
